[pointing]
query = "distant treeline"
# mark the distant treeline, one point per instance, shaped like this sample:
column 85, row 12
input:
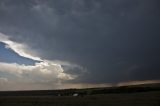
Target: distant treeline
column 83, row 92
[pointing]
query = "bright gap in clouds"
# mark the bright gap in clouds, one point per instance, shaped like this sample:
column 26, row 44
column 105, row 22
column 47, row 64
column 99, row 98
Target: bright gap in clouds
column 9, row 56
column 20, row 49
column 43, row 74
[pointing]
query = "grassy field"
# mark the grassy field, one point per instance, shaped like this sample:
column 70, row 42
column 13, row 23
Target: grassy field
column 127, row 97
column 135, row 99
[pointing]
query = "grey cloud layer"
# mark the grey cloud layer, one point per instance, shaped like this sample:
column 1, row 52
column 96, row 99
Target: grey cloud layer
column 115, row 40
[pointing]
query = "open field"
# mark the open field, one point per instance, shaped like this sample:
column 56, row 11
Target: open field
column 138, row 98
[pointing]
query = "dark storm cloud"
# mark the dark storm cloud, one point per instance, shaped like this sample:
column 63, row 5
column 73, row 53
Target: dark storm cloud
column 115, row 40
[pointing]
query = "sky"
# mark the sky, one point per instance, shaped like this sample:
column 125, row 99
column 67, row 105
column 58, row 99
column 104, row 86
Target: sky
column 57, row 44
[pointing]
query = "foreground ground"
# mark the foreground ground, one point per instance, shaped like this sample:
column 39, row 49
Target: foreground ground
column 136, row 95
column 150, row 98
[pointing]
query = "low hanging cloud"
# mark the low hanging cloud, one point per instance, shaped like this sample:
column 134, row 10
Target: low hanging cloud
column 44, row 71
column 43, row 75
column 39, row 74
